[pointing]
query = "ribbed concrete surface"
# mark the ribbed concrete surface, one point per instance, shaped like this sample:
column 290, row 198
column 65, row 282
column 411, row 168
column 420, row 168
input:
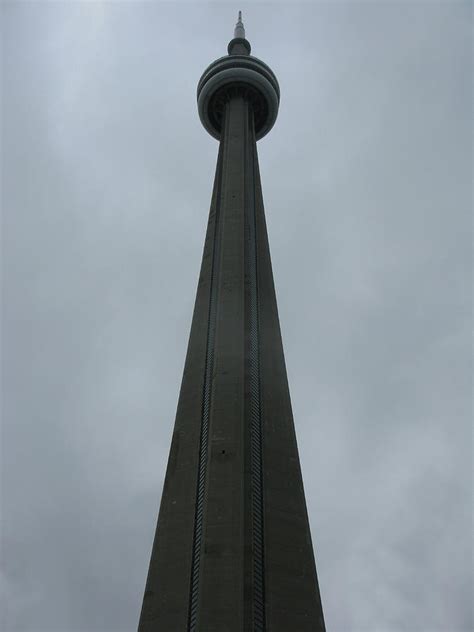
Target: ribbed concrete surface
column 233, row 550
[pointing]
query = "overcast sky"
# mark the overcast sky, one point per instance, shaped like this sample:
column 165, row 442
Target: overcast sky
column 106, row 184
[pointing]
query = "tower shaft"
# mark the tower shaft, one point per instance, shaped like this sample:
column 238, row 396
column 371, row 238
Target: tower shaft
column 232, row 549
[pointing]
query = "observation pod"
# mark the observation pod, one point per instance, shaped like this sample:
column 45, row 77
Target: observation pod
column 238, row 72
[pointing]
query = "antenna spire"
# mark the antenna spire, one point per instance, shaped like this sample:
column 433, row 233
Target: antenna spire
column 239, row 30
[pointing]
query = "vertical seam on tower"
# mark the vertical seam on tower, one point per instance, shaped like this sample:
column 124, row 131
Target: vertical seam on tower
column 255, row 402
column 205, row 412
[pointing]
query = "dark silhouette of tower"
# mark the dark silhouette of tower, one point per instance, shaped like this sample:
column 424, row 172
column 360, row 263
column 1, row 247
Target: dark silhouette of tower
column 232, row 550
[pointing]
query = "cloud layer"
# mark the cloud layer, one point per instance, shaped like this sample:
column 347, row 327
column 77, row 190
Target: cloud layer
column 107, row 176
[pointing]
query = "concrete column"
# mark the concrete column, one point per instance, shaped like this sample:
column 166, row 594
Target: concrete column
column 232, row 550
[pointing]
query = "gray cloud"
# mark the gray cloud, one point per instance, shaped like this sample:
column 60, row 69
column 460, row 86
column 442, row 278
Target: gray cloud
column 366, row 181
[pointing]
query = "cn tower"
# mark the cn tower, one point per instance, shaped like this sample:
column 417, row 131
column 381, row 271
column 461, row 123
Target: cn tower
column 232, row 549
